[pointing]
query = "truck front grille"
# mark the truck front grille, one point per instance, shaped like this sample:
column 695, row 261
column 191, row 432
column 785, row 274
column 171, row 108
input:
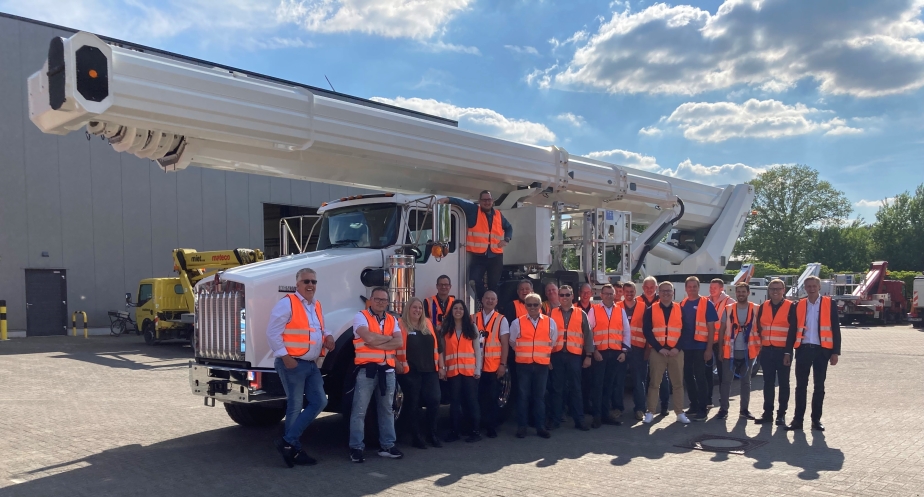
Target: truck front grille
column 219, row 316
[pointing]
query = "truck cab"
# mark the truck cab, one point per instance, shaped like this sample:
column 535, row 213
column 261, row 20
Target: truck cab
column 160, row 309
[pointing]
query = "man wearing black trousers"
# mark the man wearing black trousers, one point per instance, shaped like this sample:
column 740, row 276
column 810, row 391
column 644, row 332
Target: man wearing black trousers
column 776, row 324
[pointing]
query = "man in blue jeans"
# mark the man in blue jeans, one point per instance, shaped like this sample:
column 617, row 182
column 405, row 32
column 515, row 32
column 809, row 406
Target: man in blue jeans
column 376, row 336
column 297, row 337
column 531, row 337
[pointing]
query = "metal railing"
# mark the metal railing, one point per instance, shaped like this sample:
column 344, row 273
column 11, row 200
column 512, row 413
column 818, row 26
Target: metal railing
column 292, row 231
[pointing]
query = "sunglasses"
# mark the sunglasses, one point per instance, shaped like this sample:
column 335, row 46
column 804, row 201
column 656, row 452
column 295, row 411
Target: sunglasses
column 310, row 282
column 532, row 305
column 565, row 294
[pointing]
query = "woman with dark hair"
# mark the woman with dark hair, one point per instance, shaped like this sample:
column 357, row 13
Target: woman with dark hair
column 462, row 357
column 418, row 364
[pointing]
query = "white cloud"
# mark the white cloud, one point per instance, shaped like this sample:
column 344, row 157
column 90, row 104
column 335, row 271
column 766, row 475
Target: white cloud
column 441, row 46
column 418, row 19
column 720, row 121
column 522, row 50
column 627, row 158
column 478, row 119
column 874, row 203
column 858, row 48
column 650, row 131
column 572, row 119
column 726, row 174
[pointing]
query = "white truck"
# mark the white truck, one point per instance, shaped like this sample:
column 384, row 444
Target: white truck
column 181, row 113
column 916, row 316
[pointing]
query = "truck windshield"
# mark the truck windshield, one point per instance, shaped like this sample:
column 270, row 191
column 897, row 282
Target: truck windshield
column 364, row 226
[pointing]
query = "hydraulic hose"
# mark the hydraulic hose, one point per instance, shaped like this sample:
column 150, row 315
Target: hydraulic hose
column 655, row 238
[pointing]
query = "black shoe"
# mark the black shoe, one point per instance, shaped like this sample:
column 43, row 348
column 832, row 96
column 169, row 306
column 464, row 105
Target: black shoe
column 664, row 410
column 473, row 437
column 795, row 426
column 746, row 415
column 763, row 420
column 690, row 412
column 356, row 455
column 544, row 433
column 611, row 422
column 781, row 420
column 286, row 451
column 596, row 423
column 452, row 437
column 303, row 459
column 817, row 426
column 699, row 416
column 521, row 432
column 391, row 453
column 435, row 441
column 492, row 433
column 418, row 443
column 722, row 414
column 553, row 426
column 581, row 426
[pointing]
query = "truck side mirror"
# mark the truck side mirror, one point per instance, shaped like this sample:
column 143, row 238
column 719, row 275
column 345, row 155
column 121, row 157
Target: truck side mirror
column 128, row 298
column 442, row 224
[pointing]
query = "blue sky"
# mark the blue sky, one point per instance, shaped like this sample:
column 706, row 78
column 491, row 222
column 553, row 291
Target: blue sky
column 714, row 91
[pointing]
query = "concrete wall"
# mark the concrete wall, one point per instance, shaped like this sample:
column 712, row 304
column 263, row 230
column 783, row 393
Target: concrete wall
column 109, row 219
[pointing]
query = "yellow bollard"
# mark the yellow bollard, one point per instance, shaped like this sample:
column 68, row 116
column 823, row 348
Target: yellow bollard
column 3, row 321
column 86, row 333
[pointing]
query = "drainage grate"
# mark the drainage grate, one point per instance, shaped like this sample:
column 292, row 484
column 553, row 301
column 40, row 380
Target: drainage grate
column 722, row 443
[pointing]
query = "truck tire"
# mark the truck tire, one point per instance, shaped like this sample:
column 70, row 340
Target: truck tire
column 254, row 415
column 148, row 330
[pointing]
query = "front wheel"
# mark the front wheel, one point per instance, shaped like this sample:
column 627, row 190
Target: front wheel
column 254, row 415
column 150, row 336
column 117, row 327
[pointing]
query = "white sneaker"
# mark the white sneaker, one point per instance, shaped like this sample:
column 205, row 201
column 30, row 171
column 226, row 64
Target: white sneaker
column 682, row 418
column 648, row 418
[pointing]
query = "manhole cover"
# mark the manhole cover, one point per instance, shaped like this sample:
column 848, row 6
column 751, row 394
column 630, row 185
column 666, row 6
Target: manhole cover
column 722, row 443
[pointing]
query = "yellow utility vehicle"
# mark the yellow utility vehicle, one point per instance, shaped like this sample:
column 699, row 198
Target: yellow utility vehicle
column 165, row 309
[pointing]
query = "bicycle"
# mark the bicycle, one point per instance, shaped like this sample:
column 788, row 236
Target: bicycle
column 121, row 322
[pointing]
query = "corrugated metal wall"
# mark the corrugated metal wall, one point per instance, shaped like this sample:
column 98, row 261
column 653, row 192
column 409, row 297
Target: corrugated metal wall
column 109, row 219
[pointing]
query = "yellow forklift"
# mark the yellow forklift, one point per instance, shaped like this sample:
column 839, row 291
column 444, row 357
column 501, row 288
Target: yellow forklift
column 165, row 307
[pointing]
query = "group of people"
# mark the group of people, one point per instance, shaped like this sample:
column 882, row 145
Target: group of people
column 568, row 350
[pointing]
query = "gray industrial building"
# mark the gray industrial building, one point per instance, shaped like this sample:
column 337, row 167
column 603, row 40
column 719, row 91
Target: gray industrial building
column 81, row 224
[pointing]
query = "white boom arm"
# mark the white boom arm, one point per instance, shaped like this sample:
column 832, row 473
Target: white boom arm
column 179, row 113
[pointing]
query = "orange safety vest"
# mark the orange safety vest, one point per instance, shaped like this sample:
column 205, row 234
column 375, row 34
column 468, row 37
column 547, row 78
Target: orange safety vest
column 534, row 344
column 825, row 335
column 437, row 313
column 718, row 324
column 297, row 334
column 368, row 355
column 635, row 324
column 701, row 330
column 774, row 329
column 547, row 308
column 490, row 331
column 459, row 355
column 570, row 336
column 734, row 327
column 520, row 307
column 401, row 354
column 667, row 334
column 481, row 236
column 608, row 332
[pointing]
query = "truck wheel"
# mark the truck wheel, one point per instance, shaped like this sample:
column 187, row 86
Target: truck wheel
column 253, row 415
column 148, row 330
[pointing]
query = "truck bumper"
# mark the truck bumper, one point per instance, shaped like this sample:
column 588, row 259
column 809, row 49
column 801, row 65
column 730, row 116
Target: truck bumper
column 223, row 384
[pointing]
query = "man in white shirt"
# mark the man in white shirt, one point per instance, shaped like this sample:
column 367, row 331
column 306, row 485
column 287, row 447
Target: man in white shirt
column 531, row 337
column 490, row 322
column 297, row 336
column 609, row 357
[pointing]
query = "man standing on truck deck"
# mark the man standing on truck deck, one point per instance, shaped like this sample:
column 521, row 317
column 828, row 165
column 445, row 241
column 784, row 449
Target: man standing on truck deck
column 488, row 234
column 611, row 340
column 662, row 325
column 495, row 334
column 699, row 317
column 436, row 307
column 531, row 337
column 739, row 345
column 297, row 337
column 376, row 336
column 720, row 300
column 570, row 353
column 776, row 323
column 818, row 342
column 517, row 308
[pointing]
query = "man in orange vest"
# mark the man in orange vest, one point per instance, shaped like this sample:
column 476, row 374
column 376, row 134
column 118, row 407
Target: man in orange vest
column 586, row 304
column 699, row 318
column 611, row 340
column 552, row 300
column 436, row 307
column 376, row 336
column 739, row 345
column 720, row 300
column 634, row 308
column 488, row 234
column 517, row 307
column 662, row 325
column 818, row 343
column 297, row 337
column 531, row 337
column 776, row 323
column 570, row 353
column 495, row 335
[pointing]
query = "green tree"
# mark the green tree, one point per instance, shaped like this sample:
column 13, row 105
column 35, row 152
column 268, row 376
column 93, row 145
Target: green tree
column 899, row 231
column 843, row 247
column 789, row 201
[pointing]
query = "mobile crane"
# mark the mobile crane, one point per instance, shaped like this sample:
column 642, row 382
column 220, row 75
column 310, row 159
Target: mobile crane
column 165, row 306
column 181, row 113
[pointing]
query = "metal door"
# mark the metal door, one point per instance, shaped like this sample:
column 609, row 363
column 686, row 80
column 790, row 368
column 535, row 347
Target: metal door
column 46, row 302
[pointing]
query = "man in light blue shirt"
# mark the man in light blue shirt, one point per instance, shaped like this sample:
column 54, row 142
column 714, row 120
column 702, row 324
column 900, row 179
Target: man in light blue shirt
column 295, row 362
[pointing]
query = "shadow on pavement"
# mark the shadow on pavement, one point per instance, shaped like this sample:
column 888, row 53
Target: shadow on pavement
column 126, row 352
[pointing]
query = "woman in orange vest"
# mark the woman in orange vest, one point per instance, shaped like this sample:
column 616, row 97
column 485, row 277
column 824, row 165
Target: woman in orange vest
column 462, row 357
column 418, row 365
